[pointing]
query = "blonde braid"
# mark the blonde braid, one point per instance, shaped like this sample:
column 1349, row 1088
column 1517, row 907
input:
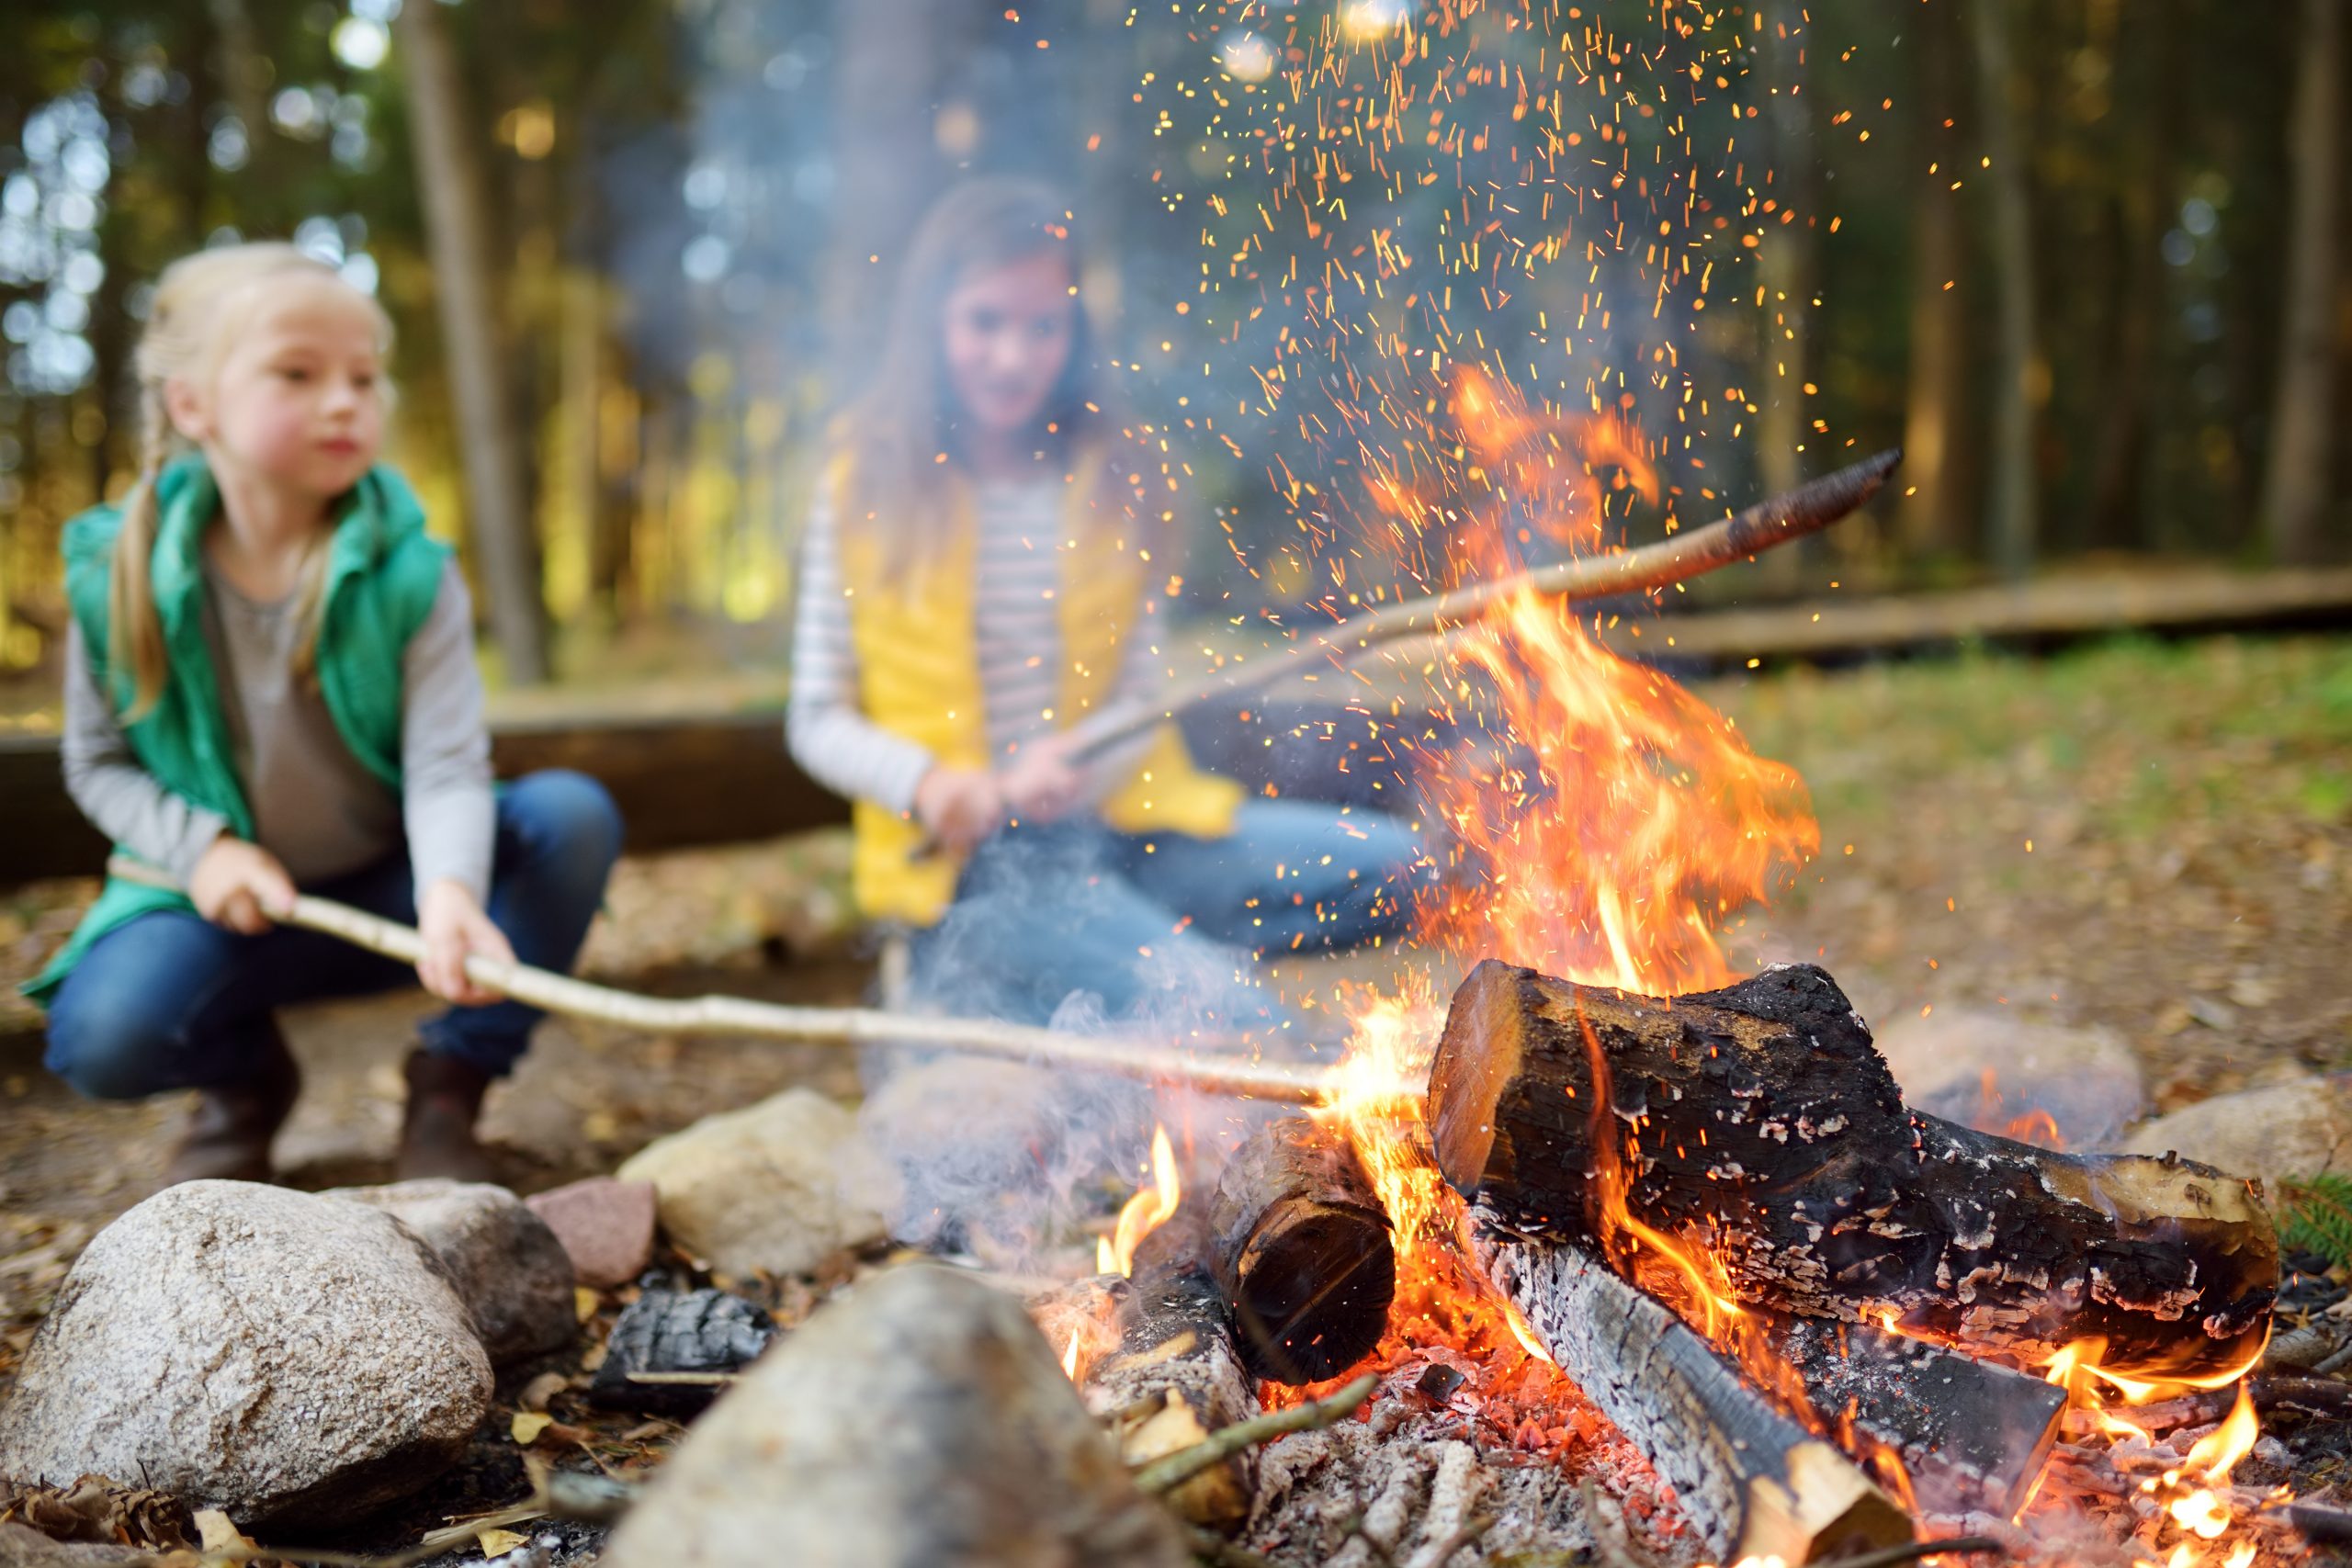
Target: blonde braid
column 134, row 629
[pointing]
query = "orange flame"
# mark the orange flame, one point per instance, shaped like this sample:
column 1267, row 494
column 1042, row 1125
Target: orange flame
column 2191, row 1494
column 1617, row 824
column 1620, row 819
column 1069, row 1357
column 1143, row 1214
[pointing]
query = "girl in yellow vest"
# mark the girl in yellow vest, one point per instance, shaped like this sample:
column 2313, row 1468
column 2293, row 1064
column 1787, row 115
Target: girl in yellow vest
column 270, row 684
column 986, row 564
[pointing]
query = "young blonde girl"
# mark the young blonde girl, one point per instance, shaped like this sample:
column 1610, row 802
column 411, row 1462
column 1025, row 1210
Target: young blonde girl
column 985, row 566
column 270, row 686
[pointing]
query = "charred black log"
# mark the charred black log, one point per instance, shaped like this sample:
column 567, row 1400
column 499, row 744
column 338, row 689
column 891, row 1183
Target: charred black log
column 1754, row 1482
column 1176, row 1376
column 677, row 1331
column 1301, row 1249
column 1970, row 1435
column 1759, row 1122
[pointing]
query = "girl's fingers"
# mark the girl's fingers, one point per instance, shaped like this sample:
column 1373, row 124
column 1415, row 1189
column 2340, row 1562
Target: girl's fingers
column 242, row 913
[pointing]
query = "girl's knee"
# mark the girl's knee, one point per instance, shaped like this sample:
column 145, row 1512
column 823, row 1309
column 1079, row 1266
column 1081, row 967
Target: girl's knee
column 108, row 1045
column 568, row 814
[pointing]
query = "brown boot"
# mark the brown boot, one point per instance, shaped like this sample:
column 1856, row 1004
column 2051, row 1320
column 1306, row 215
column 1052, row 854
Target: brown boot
column 228, row 1132
column 437, row 1132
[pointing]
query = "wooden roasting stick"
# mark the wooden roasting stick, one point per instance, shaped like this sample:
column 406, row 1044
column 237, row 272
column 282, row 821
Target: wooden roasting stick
column 1760, row 1123
column 819, row 1026
column 1808, row 509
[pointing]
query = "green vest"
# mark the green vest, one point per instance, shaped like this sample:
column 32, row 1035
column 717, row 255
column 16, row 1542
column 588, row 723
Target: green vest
column 383, row 574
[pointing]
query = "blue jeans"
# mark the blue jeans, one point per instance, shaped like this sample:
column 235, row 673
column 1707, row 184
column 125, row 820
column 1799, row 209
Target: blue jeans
column 170, row 1001
column 1162, row 925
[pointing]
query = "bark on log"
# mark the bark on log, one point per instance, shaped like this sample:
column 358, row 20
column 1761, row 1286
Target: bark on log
column 1754, row 1482
column 1176, row 1377
column 1760, row 1122
column 1301, row 1249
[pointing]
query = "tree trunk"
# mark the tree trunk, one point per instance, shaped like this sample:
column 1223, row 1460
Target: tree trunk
column 2295, row 487
column 458, row 227
column 2118, row 507
column 1784, row 266
column 1301, row 1250
column 1754, row 1482
column 243, row 70
column 1935, row 406
column 2016, row 379
column 1759, row 1126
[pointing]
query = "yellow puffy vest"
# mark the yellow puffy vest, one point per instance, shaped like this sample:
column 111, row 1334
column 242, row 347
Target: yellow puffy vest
column 919, row 675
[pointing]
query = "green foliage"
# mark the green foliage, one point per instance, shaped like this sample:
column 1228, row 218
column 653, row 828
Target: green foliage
column 2317, row 1217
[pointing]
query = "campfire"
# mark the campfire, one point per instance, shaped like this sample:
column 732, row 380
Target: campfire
column 1660, row 1226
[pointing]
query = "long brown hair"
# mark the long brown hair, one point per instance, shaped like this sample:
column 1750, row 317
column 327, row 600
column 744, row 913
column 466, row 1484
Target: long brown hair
column 906, row 418
column 201, row 303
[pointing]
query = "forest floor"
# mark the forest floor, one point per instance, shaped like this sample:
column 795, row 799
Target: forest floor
column 2152, row 840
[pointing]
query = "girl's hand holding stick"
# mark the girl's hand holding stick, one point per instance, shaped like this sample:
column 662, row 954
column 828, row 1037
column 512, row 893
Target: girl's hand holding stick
column 959, row 806
column 240, row 885
column 455, row 929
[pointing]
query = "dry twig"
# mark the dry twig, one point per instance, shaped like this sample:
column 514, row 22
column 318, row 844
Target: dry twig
column 1167, row 1473
column 1912, row 1551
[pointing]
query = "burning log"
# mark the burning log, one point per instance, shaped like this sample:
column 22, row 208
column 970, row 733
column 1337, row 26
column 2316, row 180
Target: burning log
column 1175, row 1378
column 1302, row 1251
column 1970, row 1435
column 1759, row 1124
column 1754, row 1482
column 1298, row 1230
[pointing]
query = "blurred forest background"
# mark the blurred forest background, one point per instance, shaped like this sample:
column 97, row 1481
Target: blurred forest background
column 2083, row 259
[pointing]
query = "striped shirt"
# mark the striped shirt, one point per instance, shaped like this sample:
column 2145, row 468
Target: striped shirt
column 1016, row 624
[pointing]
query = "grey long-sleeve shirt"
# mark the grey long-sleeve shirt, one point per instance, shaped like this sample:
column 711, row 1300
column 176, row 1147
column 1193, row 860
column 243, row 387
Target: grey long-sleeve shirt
column 315, row 805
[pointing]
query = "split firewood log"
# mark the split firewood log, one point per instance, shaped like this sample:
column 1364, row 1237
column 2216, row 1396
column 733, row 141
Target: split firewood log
column 1176, row 1376
column 1759, row 1124
column 1753, row 1482
column 1970, row 1435
column 1301, row 1250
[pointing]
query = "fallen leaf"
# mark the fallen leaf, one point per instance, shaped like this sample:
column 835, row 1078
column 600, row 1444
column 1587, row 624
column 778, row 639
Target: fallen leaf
column 539, row 1390
column 498, row 1543
column 529, row 1424
column 584, row 1301
column 216, row 1533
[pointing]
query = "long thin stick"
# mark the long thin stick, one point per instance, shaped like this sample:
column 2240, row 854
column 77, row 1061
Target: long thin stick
column 1807, row 509
column 816, row 1026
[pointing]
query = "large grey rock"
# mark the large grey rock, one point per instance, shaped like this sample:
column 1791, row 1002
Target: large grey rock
column 291, row 1360
column 2085, row 1081
column 23, row 1548
column 919, row 1420
column 508, row 1264
column 2289, row 1130
column 779, row 1186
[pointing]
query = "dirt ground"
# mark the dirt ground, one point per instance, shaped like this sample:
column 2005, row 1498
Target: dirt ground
column 2154, row 840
